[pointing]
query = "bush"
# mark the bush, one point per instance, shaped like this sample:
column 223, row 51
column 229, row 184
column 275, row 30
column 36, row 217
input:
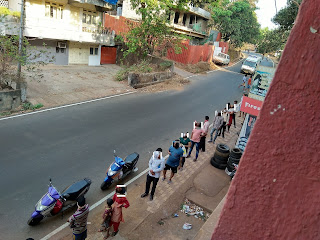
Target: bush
column 5, row 12
column 30, row 106
column 143, row 67
column 165, row 65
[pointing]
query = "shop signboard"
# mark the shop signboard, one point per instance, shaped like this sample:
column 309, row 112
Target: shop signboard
column 251, row 106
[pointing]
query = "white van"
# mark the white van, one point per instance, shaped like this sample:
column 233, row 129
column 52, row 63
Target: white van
column 249, row 65
column 221, row 58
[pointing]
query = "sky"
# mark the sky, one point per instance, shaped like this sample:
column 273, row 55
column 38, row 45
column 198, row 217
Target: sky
column 267, row 11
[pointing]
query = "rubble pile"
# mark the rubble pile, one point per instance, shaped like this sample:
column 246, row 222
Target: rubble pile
column 192, row 209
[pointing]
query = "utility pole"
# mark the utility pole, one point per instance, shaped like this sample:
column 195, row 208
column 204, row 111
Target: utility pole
column 20, row 42
column 275, row 3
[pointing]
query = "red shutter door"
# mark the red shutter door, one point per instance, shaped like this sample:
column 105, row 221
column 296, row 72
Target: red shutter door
column 108, row 55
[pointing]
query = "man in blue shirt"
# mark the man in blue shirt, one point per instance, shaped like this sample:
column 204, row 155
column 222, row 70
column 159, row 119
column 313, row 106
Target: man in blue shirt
column 174, row 160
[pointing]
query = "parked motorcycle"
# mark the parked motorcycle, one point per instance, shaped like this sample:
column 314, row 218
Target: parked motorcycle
column 54, row 202
column 119, row 169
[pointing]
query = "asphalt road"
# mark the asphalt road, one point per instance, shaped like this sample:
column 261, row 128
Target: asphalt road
column 75, row 142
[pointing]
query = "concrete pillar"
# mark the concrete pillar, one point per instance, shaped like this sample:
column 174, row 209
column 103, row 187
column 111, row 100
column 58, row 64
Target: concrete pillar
column 188, row 20
column 275, row 193
column 172, row 14
column 180, row 18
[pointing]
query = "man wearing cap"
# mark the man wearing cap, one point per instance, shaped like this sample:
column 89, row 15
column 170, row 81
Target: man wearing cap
column 156, row 165
column 78, row 221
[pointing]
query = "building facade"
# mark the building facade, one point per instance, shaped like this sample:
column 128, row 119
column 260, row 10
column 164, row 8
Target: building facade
column 72, row 30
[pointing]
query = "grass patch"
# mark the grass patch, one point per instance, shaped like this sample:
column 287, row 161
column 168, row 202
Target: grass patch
column 30, row 106
column 5, row 114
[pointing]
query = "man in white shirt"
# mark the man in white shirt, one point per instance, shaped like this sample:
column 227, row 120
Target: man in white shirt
column 156, row 165
column 203, row 138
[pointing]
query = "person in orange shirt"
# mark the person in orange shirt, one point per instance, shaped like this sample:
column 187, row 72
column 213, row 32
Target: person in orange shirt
column 249, row 82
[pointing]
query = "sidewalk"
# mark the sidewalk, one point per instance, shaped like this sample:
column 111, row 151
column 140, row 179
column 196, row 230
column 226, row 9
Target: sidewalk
column 200, row 182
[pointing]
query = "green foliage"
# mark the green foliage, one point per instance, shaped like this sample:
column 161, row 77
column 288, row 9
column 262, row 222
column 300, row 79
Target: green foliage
column 5, row 12
column 286, row 16
column 142, row 67
column 31, row 59
column 5, row 114
column 274, row 40
column 165, row 65
column 236, row 21
column 153, row 32
column 30, row 106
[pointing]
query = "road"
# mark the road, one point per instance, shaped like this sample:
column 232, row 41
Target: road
column 71, row 143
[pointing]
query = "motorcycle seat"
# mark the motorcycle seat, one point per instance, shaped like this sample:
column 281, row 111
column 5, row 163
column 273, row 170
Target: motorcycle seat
column 131, row 158
column 72, row 192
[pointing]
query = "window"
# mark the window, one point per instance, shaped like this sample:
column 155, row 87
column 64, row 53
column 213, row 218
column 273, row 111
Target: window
column 184, row 19
column 176, row 17
column 94, row 51
column 192, row 19
column 53, row 10
column 89, row 17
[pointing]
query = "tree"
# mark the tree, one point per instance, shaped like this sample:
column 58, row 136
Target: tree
column 271, row 40
column 154, row 31
column 274, row 40
column 285, row 18
column 31, row 58
column 236, row 21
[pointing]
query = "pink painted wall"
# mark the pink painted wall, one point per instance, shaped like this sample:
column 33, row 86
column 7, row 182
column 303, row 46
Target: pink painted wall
column 276, row 192
column 192, row 54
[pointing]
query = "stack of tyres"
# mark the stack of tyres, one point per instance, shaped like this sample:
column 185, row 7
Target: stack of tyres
column 234, row 158
column 220, row 157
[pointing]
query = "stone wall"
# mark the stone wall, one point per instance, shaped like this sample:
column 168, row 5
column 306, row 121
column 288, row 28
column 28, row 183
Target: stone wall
column 137, row 80
column 10, row 100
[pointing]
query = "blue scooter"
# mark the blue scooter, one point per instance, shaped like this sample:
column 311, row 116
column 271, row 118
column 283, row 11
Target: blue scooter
column 119, row 169
column 54, row 202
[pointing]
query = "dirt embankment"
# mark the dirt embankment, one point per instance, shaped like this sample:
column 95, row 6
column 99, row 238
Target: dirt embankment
column 200, row 67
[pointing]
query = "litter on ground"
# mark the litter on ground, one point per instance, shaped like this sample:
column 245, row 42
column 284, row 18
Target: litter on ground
column 187, row 226
column 192, row 209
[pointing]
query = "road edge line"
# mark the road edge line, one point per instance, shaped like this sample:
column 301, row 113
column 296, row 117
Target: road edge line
column 54, row 232
column 68, row 105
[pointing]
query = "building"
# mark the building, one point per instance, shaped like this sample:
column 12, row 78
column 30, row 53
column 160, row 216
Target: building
column 72, row 30
column 191, row 22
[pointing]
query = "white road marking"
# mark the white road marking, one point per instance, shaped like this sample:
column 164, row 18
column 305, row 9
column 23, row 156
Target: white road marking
column 96, row 204
column 68, row 105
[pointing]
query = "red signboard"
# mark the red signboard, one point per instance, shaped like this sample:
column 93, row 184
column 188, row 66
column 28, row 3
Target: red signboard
column 251, row 106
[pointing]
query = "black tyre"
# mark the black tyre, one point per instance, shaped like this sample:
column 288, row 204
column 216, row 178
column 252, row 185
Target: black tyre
column 223, row 155
column 105, row 185
column 234, row 160
column 217, row 165
column 223, row 148
column 230, row 169
column 220, row 160
column 34, row 221
column 235, row 153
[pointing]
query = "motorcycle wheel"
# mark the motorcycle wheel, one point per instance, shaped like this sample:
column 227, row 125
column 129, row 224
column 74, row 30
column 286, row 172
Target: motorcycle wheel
column 34, row 221
column 105, row 185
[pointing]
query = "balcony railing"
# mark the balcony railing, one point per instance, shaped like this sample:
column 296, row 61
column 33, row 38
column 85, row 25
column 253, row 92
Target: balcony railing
column 96, row 30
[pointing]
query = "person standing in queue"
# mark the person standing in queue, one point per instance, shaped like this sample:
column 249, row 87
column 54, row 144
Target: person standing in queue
column 203, row 137
column 174, row 160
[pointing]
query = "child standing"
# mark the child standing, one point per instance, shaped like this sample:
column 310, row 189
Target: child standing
column 105, row 225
